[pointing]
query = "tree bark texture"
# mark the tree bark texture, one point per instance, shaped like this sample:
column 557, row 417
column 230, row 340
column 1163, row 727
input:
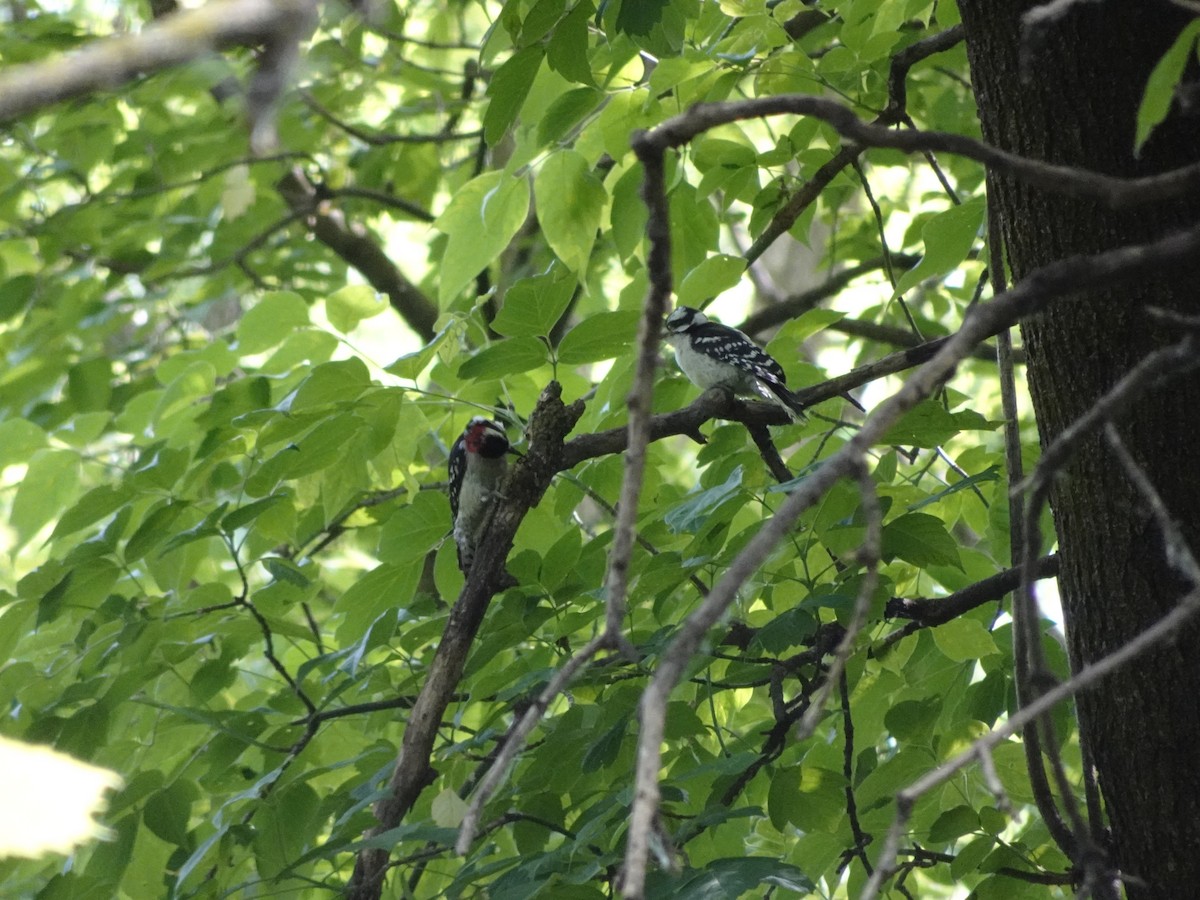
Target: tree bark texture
column 1067, row 91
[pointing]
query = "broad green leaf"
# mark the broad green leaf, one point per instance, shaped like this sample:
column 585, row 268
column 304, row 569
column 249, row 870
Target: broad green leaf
column 601, row 336
column 385, row 587
column 534, row 305
column 96, row 504
column 602, row 752
column 414, row 529
column 155, row 529
column 285, row 570
column 722, row 879
column 567, row 52
column 508, row 357
column 19, row 440
column 246, row 514
column 964, row 639
column 480, row 220
column 269, row 321
column 283, row 827
column 329, row 383
column 567, row 111
column 49, row 485
column 920, row 539
column 1160, row 87
column 712, row 277
column 448, row 809
column 411, row 365
column 346, row 307
column 694, row 513
column 927, row 424
column 948, row 238
column 953, row 823
column 508, row 89
column 570, row 201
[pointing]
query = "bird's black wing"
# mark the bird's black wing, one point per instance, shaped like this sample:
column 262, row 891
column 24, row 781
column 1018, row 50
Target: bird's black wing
column 458, row 470
column 731, row 346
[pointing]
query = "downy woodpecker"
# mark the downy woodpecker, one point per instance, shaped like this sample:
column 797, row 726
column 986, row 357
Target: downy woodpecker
column 715, row 355
column 477, row 468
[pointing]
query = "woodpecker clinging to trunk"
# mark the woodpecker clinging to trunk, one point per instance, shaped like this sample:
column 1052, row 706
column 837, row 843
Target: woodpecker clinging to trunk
column 477, row 468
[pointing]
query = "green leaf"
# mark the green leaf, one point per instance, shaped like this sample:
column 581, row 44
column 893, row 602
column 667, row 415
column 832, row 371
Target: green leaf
column 722, row 879
column 953, row 823
column 283, row 827
column 448, row 809
column 480, row 220
column 155, row 529
column 385, row 587
column 598, row 337
column 96, row 504
column 269, row 321
column 284, row 570
column 567, row 52
column 1160, row 87
column 346, row 307
column 19, row 440
column 414, row 529
column 534, row 305
column 603, row 752
column 508, row 89
column 713, row 276
column 570, row 201
column 48, row 486
column 508, row 357
column 329, row 383
column 949, row 237
column 928, row 424
column 567, row 110
column 411, row 365
column 992, row 473
column 693, row 514
column 919, row 539
column 244, row 515
column 964, row 639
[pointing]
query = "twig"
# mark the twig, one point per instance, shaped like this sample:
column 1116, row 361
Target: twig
column 171, row 40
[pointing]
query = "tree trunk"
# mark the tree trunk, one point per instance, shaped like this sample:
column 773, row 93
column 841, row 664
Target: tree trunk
column 1067, row 91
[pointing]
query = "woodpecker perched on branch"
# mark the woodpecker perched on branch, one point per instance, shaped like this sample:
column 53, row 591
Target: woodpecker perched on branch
column 477, row 468
column 715, row 355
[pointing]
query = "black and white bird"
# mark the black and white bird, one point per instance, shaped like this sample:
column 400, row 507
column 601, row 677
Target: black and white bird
column 715, row 355
column 477, row 468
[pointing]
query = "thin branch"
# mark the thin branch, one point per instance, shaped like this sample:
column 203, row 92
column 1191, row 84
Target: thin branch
column 527, row 481
column 1163, row 630
column 514, row 742
column 178, row 38
column 790, row 307
column 861, row 839
column 357, row 248
column 1113, row 191
column 640, row 399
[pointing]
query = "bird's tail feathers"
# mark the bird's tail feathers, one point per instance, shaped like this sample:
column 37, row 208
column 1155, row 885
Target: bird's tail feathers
column 780, row 394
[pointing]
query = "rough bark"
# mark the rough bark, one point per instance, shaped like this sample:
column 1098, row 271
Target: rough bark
column 1067, row 92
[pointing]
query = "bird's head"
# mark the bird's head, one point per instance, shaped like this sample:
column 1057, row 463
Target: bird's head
column 485, row 437
column 684, row 318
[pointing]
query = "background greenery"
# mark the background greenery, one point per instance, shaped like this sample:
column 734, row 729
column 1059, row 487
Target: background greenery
column 230, row 382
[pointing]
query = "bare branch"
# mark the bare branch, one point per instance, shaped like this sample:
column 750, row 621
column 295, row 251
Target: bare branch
column 1113, row 191
column 526, row 483
column 174, row 39
column 354, row 245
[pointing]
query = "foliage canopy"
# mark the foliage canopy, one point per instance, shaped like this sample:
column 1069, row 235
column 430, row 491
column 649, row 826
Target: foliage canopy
column 232, row 374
